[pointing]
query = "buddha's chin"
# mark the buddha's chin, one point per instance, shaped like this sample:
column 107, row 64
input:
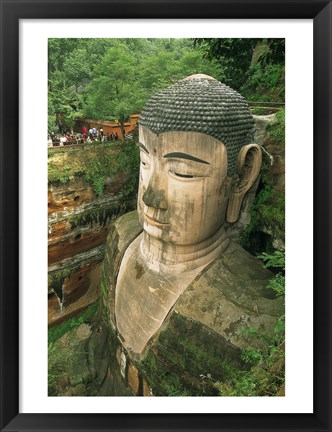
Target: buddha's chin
column 156, row 230
column 165, row 235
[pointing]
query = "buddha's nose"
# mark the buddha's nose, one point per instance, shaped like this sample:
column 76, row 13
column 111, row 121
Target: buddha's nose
column 155, row 195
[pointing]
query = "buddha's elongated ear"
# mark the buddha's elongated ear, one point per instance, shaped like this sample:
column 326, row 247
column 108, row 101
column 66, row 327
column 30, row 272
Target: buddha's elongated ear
column 248, row 167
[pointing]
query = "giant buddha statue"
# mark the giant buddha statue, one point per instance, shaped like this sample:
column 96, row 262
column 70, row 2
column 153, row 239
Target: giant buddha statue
column 175, row 256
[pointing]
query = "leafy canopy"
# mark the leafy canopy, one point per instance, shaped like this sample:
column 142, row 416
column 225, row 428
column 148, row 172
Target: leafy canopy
column 109, row 79
column 254, row 67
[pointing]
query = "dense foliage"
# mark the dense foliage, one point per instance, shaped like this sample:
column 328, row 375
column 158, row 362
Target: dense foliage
column 109, row 79
column 95, row 162
column 268, row 207
column 55, row 333
column 265, row 354
column 254, row 67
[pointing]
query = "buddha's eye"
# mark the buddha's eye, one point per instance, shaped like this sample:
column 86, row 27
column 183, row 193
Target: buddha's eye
column 181, row 175
column 145, row 160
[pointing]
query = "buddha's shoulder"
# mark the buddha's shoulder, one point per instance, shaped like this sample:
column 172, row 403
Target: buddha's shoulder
column 231, row 289
column 236, row 268
column 238, row 264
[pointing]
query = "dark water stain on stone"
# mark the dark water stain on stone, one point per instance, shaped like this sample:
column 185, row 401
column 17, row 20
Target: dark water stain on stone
column 139, row 270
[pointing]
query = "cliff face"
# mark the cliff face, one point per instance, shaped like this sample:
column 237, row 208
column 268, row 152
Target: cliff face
column 261, row 225
column 268, row 211
column 82, row 201
column 274, row 146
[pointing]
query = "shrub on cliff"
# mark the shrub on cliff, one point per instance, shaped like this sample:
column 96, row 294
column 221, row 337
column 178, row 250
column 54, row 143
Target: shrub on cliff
column 97, row 163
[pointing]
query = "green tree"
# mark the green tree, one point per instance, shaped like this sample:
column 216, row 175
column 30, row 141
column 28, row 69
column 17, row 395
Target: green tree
column 109, row 79
column 113, row 93
column 63, row 103
column 71, row 62
column 167, row 67
column 234, row 56
column 77, row 68
column 130, row 72
column 252, row 66
column 58, row 50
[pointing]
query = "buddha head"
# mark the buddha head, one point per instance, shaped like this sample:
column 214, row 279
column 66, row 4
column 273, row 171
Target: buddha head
column 198, row 161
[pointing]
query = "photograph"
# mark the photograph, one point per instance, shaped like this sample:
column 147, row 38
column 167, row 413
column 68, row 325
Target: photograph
column 186, row 244
column 166, row 217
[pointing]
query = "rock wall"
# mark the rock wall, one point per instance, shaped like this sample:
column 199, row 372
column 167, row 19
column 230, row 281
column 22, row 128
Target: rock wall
column 264, row 216
column 274, row 151
column 270, row 134
column 78, row 224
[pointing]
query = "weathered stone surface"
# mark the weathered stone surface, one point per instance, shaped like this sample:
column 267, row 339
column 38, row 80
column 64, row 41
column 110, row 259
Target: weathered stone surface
column 146, row 389
column 133, row 378
column 275, row 151
column 79, row 282
column 122, row 232
column 79, row 366
column 83, row 331
column 203, row 333
column 80, row 290
column 78, row 260
column 274, row 156
column 118, row 355
column 185, row 294
column 77, row 229
column 185, row 352
column 72, row 194
column 78, row 243
column 77, row 192
column 229, row 297
column 261, row 123
column 174, row 204
column 200, row 103
column 145, row 296
column 57, row 230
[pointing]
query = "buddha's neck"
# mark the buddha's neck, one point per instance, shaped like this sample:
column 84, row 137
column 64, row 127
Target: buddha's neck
column 173, row 259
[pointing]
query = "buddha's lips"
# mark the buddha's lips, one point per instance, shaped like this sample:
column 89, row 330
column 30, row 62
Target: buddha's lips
column 153, row 221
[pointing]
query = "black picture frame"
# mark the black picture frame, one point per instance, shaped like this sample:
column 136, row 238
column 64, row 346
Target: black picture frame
column 11, row 12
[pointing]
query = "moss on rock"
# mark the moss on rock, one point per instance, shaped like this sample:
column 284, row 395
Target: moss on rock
column 95, row 165
column 187, row 358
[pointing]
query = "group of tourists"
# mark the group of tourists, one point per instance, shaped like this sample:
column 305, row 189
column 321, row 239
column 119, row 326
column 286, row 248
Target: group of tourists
column 87, row 136
column 97, row 134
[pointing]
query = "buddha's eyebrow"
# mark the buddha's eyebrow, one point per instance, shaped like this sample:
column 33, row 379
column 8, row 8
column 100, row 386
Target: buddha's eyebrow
column 144, row 148
column 185, row 156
